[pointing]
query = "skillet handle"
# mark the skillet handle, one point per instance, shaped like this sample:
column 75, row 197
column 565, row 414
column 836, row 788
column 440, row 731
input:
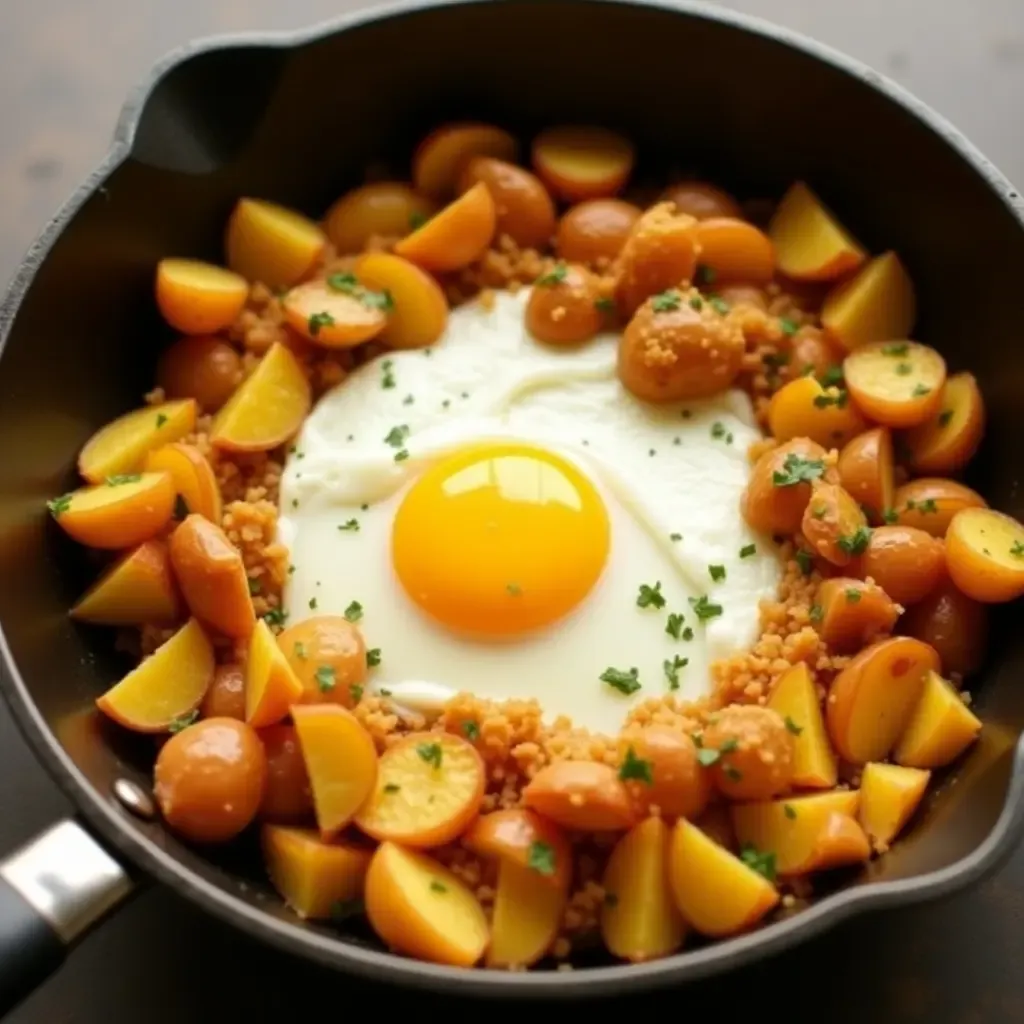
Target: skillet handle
column 52, row 891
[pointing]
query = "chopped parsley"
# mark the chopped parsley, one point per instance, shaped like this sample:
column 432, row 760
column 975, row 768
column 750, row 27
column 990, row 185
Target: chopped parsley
column 817, row 613
column 897, row 350
column 790, row 811
column 408, row 400
column 890, row 516
column 762, row 863
column 417, row 219
column 718, row 430
column 852, row 595
column 623, row 681
column 275, row 617
column 554, row 276
column 666, row 302
column 697, row 303
column 944, row 417
column 470, row 730
column 798, row 470
column 312, row 604
column 635, row 769
column 402, row 455
column 855, row 543
column 183, row 721
column 789, row 327
column 325, row 678
column 349, row 526
column 716, row 572
column 123, row 478
column 319, row 320
column 1017, row 549
column 672, row 667
column 300, row 650
column 430, row 752
column 397, row 436
column 704, row 609
column 904, row 369
column 920, row 391
column 373, row 657
column 650, row 597
column 357, row 692
column 436, row 886
column 348, row 285
column 541, row 858
column 674, row 626
column 805, row 560
column 720, row 306
column 839, row 399
column 391, row 787
column 354, row 612
column 688, row 634
column 748, row 550
column 924, row 506
column 161, row 419
column 58, row 506
column 792, row 727
column 254, row 586
column 704, row 275
column 388, row 376
column 605, row 304
column 514, row 589
column 708, row 756
column 675, row 537
column 832, row 377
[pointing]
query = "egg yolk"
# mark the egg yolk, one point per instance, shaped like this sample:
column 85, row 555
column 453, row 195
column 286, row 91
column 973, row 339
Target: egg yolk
column 500, row 540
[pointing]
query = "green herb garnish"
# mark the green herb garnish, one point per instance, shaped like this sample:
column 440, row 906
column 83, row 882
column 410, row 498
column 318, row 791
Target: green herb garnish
column 798, row 470
column 623, row 681
column 325, row 678
column 650, row 597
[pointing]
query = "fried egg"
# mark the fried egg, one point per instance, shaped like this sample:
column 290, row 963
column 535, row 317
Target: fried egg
column 503, row 518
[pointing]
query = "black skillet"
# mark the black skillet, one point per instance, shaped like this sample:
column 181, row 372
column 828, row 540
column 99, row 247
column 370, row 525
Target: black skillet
column 296, row 118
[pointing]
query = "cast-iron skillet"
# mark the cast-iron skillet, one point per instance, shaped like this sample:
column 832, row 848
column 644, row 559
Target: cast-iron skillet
column 296, row 118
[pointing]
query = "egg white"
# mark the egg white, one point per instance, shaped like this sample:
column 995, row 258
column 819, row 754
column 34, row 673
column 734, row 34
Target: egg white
column 661, row 471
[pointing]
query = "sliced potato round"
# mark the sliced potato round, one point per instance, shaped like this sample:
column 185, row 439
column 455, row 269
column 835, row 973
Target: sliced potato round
column 896, row 383
column 985, row 554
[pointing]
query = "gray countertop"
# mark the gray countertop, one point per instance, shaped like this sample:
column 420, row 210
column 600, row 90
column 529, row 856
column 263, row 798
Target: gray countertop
column 65, row 67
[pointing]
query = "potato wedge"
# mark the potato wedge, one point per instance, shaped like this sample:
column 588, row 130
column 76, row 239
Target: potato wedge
column 839, row 842
column 138, row 588
column 525, row 837
column 272, row 244
column 202, row 367
column 441, row 156
column 941, row 728
column 337, row 312
column 581, row 795
column 896, row 383
column 328, row 655
column 876, row 304
column 873, row 698
column 268, row 408
column 121, row 447
column 525, row 211
column 811, row 245
column 428, row 789
column 804, row 409
column 789, row 829
column 454, row 237
column 640, row 920
column 199, row 298
column 313, row 877
column 420, row 309
column 388, row 209
column 985, row 554
column 527, row 917
column 419, row 908
column 907, row 564
column 929, row 503
column 341, row 761
column 193, row 478
column 834, row 525
column 121, row 513
column 734, row 250
column 889, row 795
column 578, row 162
column 952, row 623
column 780, row 486
column 166, row 686
column 866, row 471
column 716, row 893
column 854, row 613
column 211, row 574
column 948, row 440
column 795, row 698
column 271, row 687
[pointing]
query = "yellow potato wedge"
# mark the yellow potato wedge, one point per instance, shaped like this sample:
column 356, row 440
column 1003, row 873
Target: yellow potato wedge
column 419, row 908
column 199, row 298
column 121, row 513
column 138, row 588
column 796, row 700
column 889, row 795
column 788, row 829
column 810, row 244
column 121, row 447
column 877, row 304
column 193, row 478
column 527, row 917
column 716, row 893
column 271, row 687
column 272, row 244
column 168, row 685
column 640, row 920
column 268, row 408
column 940, row 729
column 314, row 878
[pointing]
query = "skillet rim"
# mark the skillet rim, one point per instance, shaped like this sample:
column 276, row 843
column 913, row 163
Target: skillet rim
column 104, row 815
